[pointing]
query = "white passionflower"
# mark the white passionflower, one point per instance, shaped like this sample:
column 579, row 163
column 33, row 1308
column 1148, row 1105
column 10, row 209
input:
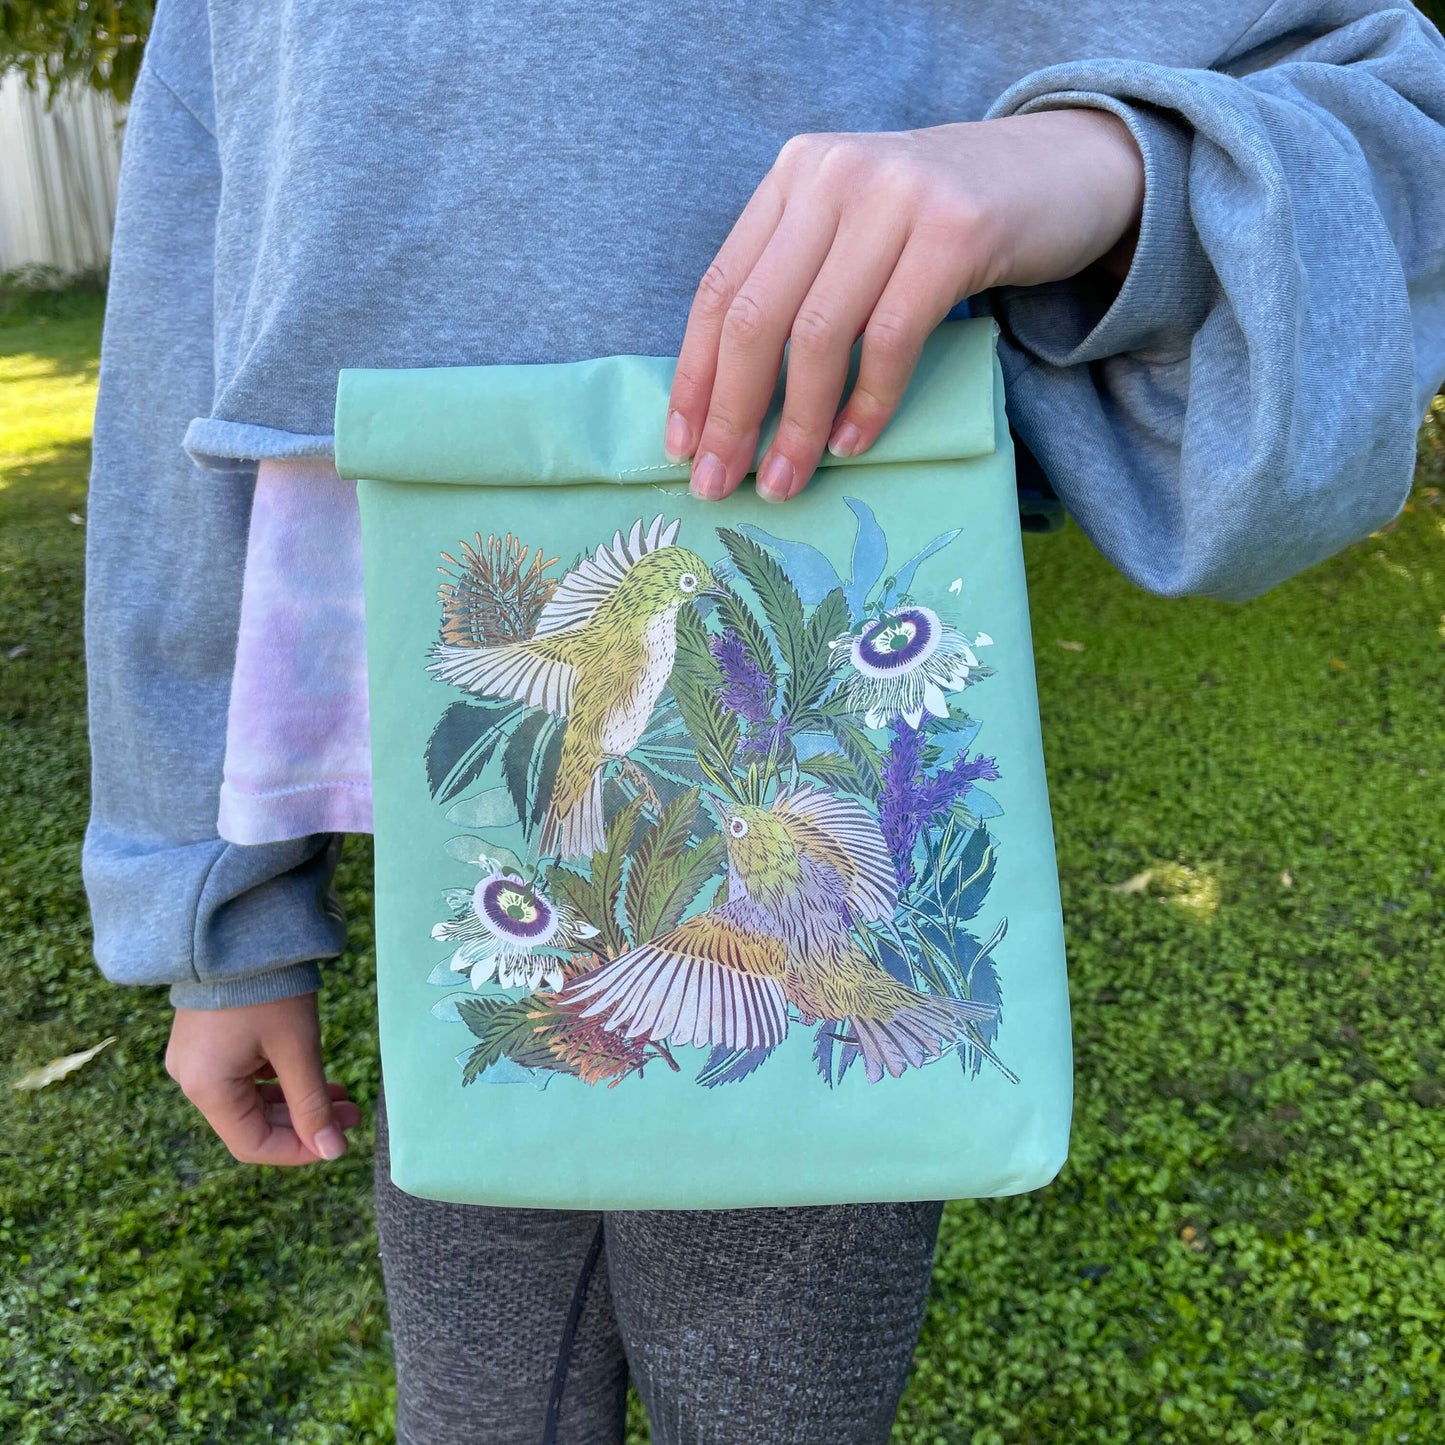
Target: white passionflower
column 509, row 930
column 904, row 664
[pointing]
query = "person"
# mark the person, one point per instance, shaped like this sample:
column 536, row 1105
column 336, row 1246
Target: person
column 1213, row 237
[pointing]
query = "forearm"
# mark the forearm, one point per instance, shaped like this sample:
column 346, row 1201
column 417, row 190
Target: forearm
column 171, row 902
column 1244, row 402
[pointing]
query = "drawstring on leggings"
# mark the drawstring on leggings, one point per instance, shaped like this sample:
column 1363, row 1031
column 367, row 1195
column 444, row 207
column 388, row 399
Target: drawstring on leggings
column 569, row 1336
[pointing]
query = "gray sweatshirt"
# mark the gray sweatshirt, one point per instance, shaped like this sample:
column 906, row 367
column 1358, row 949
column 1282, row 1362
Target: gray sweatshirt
column 308, row 186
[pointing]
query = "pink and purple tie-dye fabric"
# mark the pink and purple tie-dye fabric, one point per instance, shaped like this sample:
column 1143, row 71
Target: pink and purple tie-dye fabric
column 298, row 740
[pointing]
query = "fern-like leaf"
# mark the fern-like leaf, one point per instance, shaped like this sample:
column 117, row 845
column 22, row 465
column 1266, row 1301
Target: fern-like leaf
column 695, row 686
column 506, row 1029
column 667, row 872
column 780, row 601
column 608, row 868
column 812, row 669
column 859, row 750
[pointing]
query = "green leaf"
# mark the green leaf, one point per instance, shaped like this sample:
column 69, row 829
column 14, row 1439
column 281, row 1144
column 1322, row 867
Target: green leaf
column 780, row 603
column 736, row 615
column 695, row 684
column 860, row 751
column 544, row 770
column 517, row 761
column 462, row 744
column 832, row 768
column 666, row 871
column 507, row 1029
column 478, row 1013
column 813, row 667
column 577, row 893
column 607, row 872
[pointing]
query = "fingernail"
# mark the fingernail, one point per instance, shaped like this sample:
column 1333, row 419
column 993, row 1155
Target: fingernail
column 678, row 439
column 331, row 1142
column 709, row 477
column 775, row 481
column 844, row 441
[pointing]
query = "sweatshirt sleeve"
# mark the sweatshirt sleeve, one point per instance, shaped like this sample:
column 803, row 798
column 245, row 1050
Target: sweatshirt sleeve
column 172, row 903
column 1246, row 403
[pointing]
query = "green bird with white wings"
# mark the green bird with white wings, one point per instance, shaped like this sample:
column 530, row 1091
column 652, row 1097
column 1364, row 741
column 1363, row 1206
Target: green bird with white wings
column 599, row 657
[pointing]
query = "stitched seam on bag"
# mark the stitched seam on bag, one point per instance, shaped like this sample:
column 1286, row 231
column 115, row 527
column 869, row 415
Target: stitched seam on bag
column 297, row 788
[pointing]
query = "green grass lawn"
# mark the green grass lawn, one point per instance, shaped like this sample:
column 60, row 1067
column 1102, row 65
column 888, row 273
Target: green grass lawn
column 1245, row 1245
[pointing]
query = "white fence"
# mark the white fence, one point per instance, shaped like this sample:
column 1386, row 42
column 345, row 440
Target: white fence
column 58, row 171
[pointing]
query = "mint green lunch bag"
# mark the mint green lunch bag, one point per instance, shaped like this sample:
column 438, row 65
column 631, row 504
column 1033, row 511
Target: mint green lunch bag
column 713, row 856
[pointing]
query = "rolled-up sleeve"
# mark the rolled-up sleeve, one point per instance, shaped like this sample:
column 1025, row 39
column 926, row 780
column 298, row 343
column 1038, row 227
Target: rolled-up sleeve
column 171, row 902
column 1246, row 402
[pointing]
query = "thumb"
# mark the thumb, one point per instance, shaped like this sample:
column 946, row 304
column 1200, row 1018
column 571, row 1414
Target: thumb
column 295, row 1054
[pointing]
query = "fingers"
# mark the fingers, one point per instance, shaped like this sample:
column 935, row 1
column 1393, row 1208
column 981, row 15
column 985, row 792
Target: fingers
column 697, row 361
column 235, row 1110
column 750, row 349
column 221, row 1059
column 918, row 295
column 836, row 242
column 278, row 1112
column 823, row 330
column 295, row 1054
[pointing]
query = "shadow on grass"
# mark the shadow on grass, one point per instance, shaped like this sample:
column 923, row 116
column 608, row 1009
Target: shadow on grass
column 44, row 488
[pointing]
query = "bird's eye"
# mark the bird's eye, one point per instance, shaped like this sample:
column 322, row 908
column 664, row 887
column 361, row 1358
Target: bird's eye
column 688, row 583
column 738, row 827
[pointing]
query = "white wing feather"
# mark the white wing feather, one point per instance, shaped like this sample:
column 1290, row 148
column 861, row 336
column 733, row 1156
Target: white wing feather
column 594, row 579
column 512, row 671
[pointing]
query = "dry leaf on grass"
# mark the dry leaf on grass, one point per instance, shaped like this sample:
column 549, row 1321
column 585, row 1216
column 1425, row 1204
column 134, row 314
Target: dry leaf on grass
column 57, row 1069
column 1070, row 646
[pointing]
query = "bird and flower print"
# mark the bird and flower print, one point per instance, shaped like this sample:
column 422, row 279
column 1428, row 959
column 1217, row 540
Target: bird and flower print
column 713, row 791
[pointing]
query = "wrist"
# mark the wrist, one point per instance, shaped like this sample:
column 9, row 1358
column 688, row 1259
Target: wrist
column 284, row 982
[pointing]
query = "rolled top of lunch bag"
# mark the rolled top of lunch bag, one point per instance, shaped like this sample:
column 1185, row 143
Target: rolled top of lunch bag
column 601, row 420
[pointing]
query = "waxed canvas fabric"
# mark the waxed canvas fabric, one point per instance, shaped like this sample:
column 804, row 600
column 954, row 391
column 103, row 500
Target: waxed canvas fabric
column 714, row 865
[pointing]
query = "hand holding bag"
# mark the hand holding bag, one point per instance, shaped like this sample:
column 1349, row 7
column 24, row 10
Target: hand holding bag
column 714, row 861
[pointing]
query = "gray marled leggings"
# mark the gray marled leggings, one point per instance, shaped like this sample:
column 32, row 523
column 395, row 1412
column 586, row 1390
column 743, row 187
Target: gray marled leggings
column 739, row 1326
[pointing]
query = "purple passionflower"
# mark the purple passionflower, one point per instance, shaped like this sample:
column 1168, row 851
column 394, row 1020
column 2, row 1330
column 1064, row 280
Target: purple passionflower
column 910, row 801
column 507, row 929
